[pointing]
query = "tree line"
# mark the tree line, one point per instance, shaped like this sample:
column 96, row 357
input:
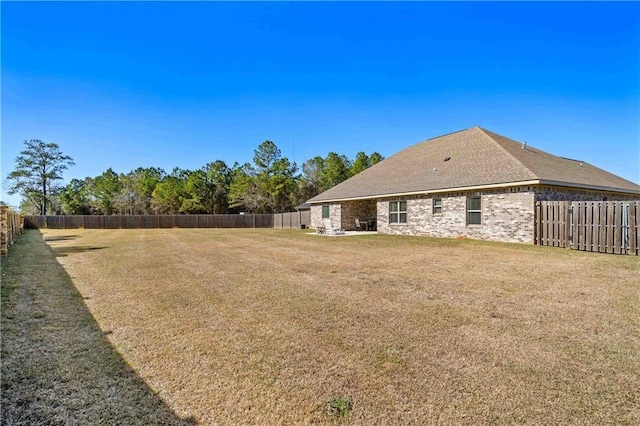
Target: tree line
column 270, row 184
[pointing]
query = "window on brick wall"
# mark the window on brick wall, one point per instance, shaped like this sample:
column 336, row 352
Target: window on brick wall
column 397, row 212
column 325, row 212
column 437, row 205
column 474, row 210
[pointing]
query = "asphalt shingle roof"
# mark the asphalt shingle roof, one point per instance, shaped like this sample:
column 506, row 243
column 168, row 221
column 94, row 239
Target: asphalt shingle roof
column 470, row 158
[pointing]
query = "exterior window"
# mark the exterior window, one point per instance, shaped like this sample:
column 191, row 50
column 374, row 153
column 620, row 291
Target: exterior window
column 397, row 212
column 474, row 210
column 437, row 205
column 325, row 212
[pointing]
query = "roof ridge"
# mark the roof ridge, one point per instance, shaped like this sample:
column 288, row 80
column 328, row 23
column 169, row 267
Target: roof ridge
column 417, row 144
column 447, row 134
column 572, row 159
column 488, row 134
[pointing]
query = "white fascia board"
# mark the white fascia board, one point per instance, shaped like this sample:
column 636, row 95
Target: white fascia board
column 481, row 187
column 588, row 187
column 432, row 191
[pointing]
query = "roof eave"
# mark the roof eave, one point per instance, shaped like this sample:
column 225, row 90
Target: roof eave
column 589, row 187
column 480, row 187
column 429, row 191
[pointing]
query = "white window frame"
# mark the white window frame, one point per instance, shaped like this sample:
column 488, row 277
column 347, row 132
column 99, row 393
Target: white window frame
column 437, row 207
column 474, row 211
column 328, row 211
column 396, row 210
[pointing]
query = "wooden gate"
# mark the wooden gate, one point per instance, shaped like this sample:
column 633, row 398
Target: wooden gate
column 598, row 226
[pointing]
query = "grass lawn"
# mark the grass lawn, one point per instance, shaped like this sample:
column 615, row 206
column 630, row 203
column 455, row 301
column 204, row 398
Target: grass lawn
column 269, row 327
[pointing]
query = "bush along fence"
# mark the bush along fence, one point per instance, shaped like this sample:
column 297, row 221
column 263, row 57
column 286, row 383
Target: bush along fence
column 598, row 226
column 165, row 221
column 12, row 225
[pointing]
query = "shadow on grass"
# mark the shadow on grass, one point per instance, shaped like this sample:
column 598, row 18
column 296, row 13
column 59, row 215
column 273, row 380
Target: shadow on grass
column 66, row 251
column 61, row 238
column 58, row 367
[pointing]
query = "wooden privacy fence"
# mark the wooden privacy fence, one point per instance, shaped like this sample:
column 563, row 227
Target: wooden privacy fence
column 12, row 225
column 599, row 226
column 152, row 221
column 292, row 219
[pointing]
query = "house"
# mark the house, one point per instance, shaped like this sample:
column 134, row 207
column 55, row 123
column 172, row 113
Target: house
column 303, row 207
column 472, row 183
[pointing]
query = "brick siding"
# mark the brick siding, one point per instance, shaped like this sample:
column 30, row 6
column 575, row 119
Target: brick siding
column 507, row 214
column 335, row 215
column 506, row 217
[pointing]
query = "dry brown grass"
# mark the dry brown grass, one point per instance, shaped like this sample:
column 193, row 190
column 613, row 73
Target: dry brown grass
column 58, row 368
column 267, row 326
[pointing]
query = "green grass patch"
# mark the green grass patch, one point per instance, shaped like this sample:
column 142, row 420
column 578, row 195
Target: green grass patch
column 339, row 406
column 5, row 292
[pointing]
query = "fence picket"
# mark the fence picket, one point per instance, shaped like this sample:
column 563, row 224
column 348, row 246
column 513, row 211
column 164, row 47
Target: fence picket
column 537, row 212
column 617, row 225
column 557, row 229
column 602, row 237
column 569, row 225
column 552, row 217
column 596, row 226
column 589, row 226
column 550, row 223
column 578, row 235
column 11, row 225
column 545, row 225
column 610, row 227
column 576, row 226
column 556, row 224
column 563, row 225
column 633, row 228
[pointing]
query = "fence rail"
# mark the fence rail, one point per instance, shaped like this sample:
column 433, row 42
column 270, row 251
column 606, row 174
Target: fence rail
column 598, row 226
column 280, row 220
column 11, row 225
column 151, row 221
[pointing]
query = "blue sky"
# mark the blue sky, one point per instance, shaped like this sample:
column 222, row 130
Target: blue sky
column 124, row 85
